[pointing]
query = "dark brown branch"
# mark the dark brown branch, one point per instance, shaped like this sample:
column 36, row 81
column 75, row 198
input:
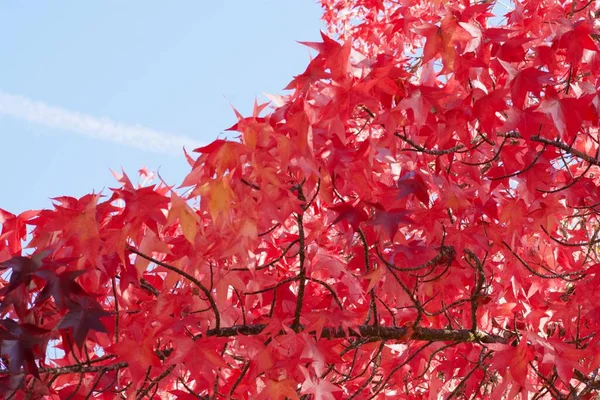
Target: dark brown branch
column 329, row 289
column 154, row 382
column 445, row 252
column 479, row 281
column 271, row 229
column 579, row 244
column 270, row 263
column 114, row 291
column 374, row 364
column 432, row 152
column 551, row 275
column 146, row 285
column 573, row 181
column 370, row 332
column 527, row 168
column 245, row 369
column 416, row 302
column 278, row 284
column 373, row 305
column 547, row 383
column 77, row 368
column 397, row 368
column 586, row 5
column 559, row 145
column 91, row 392
column 592, row 383
column 462, row 382
column 307, row 205
column 402, row 334
column 477, row 164
column 371, row 113
column 252, row 185
column 301, row 258
column 189, row 277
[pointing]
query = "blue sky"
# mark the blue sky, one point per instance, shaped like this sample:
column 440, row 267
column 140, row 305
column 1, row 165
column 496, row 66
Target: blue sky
column 76, row 71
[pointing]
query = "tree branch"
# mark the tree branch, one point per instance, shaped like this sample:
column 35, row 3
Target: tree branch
column 559, row 145
column 189, row 277
column 301, row 258
column 402, row 334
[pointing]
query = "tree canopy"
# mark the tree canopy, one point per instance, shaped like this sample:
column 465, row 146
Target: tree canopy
column 417, row 217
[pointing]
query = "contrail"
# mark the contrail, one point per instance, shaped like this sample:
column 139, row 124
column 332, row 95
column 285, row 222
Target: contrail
column 136, row 136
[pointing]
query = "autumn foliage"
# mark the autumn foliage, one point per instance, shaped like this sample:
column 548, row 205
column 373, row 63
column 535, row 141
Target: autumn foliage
column 417, row 218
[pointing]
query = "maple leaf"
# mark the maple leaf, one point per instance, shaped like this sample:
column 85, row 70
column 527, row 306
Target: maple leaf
column 512, row 49
column 516, row 358
column 559, row 356
column 336, row 56
column 188, row 219
column 284, row 389
column 315, row 71
column 254, row 129
column 223, row 155
column 140, row 355
column 524, row 81
column 201, row 357
column 374, row 277
column 527, row 121
column 354, row 215
column 412, row 253
column 546, row 213
column 413, row 183
column 150, row 244
column 442, row 39
column 22, row 271
column 143, row 206
column 321, row 389
column 567, row 113
column 61, row 286
column 389, row 221
column 83, row 316
column 486, row 107
column 76, row 218
column 475, row 32
column 14, row 228
column 418, row 105
column 576, row 41
column 220, row 196
column 22, row 344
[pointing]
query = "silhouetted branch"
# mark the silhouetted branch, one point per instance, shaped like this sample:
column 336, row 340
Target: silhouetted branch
column 189, row 277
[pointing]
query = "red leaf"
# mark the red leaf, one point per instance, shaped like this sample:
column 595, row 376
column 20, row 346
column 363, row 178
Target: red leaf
column 516, row 358
column 354, row 215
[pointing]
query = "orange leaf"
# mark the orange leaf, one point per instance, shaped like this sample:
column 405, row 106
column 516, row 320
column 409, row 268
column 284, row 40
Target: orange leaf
column 279, row 390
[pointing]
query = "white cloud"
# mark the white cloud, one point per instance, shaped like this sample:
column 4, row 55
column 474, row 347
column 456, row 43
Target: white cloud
column 136, row 136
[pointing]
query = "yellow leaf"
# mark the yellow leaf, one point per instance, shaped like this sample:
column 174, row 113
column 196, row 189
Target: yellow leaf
column 188, row 219
column 220, row 196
